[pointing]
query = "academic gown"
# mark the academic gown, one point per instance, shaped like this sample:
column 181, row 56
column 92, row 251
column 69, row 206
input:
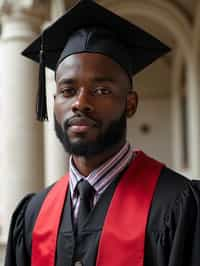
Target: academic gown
column 172, row 231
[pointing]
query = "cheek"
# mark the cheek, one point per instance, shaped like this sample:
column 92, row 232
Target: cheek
column 115, row 107
column 112, row 111
column 61, row 109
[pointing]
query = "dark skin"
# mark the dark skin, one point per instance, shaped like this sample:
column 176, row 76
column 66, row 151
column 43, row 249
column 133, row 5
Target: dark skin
column 97, row 87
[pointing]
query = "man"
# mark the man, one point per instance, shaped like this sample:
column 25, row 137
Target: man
column 115, row 206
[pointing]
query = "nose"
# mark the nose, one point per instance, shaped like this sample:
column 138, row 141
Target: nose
column 82, row 102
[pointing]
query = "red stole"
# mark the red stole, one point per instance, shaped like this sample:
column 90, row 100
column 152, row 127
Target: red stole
column 123, row 235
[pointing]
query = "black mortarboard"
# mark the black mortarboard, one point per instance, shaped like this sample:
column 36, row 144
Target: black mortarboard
column 89, row 27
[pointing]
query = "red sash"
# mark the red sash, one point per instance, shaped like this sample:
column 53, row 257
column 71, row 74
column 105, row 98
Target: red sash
column 123, row 235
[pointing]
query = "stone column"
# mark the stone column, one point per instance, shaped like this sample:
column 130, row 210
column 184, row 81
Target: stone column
column 193, row 116
column 194, row 81
column 21, row 141
column 55, row 157
column 177, row 128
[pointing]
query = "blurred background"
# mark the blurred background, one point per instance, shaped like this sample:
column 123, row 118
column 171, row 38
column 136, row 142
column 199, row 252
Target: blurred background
column 166, row 126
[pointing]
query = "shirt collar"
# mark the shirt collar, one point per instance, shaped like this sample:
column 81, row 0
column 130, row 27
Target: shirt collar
column 102, row 176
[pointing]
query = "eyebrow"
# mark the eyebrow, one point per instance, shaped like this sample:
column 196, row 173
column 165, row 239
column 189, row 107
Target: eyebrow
column 95, row 79
column 67, row 81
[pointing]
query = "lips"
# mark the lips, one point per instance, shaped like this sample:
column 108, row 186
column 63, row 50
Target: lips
column 81, row 125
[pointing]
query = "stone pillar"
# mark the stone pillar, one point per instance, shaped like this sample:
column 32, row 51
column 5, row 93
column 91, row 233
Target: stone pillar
column 194, row 81
column 55, row 157
column 21, row 141
column 177, row 128
column 193, row 116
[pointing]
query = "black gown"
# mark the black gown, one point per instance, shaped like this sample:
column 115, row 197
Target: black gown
column 172, row 232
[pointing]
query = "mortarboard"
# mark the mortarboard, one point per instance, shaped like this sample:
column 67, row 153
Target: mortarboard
column 89, row 27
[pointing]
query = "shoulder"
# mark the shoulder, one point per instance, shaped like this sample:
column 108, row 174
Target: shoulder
column 22, row 222
column 174, row 194
column 171, row 183
column 35, row 203
column 17, row 219
column 32, row 210
column 173, row 231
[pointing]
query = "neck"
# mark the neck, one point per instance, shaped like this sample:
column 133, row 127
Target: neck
column 86, row 165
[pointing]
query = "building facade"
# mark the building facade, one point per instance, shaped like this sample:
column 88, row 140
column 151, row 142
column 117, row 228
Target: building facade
column 166, row 126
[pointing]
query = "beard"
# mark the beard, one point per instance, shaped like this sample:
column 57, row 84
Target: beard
column 106, row 140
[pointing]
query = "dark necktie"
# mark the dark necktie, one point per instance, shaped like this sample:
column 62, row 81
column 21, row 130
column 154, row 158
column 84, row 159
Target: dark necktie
column 86, row 194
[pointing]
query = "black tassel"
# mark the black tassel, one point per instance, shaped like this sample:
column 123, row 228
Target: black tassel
column 41, row 107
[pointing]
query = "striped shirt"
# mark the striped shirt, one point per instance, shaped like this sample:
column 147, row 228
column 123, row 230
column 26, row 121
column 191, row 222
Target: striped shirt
column 99, row 178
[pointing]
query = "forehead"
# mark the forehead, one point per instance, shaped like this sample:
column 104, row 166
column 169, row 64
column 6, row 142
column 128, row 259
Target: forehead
column 90, row 65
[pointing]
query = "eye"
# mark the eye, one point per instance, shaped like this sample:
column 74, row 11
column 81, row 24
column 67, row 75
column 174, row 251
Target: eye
column 102, row 91
column 68, row 92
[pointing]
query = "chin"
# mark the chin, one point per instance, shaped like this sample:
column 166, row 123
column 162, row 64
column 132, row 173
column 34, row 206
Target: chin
column 82, row 139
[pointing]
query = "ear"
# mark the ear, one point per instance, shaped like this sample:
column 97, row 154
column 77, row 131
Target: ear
column 132, row 102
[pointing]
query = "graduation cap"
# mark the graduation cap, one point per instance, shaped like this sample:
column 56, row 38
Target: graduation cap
column 89, row 27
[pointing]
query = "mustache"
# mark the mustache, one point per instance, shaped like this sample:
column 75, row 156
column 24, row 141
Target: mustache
column 80, row 117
